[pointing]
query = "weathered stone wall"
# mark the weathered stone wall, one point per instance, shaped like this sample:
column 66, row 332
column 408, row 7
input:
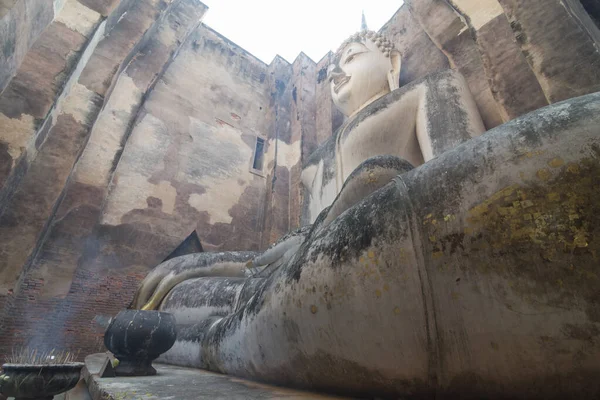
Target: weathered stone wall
column 517, row 56
column 167, row 115
column 291, row 139
column 187, row 161
column 304, row 130
column 21, row 23
column 125, row 127
column 46, row 70
column 54, row 193
column 276, row 209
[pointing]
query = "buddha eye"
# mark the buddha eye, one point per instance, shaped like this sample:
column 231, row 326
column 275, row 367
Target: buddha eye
column 352, row 56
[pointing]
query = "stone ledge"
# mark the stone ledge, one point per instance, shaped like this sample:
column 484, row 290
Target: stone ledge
column 173, row 382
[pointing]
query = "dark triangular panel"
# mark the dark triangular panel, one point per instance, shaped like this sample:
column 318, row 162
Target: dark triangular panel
column 190, row 245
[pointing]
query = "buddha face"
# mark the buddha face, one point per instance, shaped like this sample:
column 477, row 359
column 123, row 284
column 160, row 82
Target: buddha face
column 362, row 73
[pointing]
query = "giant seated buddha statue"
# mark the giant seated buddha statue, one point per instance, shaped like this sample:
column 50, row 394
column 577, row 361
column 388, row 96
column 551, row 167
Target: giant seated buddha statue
column 415, row 123
column 440, row 262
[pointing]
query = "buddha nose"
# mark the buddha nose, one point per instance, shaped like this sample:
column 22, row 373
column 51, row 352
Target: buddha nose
column 336, row 73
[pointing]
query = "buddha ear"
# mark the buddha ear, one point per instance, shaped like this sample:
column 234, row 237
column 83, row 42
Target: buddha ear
column 394, row 73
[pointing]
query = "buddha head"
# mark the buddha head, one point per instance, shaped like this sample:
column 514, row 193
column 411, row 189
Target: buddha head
column 365, row 67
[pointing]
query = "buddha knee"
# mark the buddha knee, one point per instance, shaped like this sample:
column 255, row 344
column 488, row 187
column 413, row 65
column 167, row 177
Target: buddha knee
column 368, row 177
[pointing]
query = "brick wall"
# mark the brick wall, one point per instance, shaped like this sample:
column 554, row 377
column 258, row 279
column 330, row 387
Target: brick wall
column 67, row 323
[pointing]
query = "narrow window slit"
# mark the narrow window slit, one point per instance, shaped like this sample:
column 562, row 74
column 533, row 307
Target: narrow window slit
column 257, row 163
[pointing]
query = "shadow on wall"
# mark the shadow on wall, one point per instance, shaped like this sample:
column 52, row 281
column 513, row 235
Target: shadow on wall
column 592, row 7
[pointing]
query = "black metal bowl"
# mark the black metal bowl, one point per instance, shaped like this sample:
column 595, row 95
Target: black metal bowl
column 38, row 381
column 137, row 337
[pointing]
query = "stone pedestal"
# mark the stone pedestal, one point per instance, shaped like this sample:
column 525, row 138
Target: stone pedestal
column 181, row 383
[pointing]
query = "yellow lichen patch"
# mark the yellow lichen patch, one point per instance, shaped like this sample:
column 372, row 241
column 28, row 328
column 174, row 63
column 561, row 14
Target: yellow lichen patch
column 580, row 239
column 396, row 310
column 386, row 287
column 313, row 309
column 372, row 177
column 573, row 217
column 531, row 154
column 526, row 203
column 449, row 217
column 427, row 218
column 522, row 194
column 508, row 210
column 402, row 254
column 377, row 293
column 371, row 254
column 432, row 239
column 438, row 254
column 573, row 168
column 537, row 233
column 543, row 174
column 556, row 162
column 553, row 196
column 483, row 208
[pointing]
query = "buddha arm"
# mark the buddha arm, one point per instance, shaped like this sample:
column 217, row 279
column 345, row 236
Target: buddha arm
column 308, row 177
column 422, row 128
column 168, row 274
column 447, row 115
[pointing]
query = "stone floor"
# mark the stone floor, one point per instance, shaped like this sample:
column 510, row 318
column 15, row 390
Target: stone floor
column 179, row 384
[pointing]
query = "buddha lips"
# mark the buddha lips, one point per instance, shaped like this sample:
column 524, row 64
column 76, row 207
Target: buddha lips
column 340, row 83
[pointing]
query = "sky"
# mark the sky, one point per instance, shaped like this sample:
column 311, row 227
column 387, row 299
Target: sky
column 269, row 27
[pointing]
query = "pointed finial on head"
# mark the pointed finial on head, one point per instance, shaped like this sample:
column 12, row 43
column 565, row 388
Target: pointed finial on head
column 363, row 25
